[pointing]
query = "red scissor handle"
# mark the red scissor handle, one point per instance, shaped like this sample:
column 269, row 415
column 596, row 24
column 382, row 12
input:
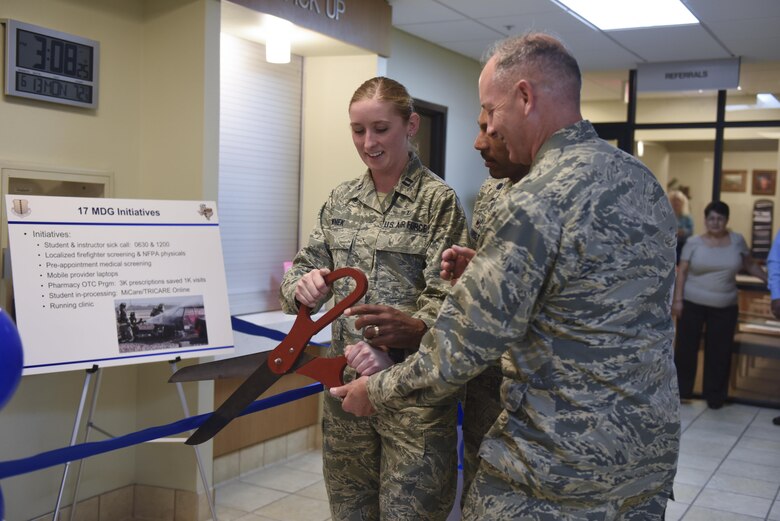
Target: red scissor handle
column 328, row 371
column 281, row 359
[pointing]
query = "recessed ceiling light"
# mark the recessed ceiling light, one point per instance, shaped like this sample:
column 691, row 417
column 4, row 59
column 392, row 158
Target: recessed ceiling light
column 764, row 100
column 767, row 100
column 277, row 43
column 609, row 15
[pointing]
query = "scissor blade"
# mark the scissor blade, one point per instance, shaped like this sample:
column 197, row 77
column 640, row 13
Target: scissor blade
column 237, row 367
column 257, row 383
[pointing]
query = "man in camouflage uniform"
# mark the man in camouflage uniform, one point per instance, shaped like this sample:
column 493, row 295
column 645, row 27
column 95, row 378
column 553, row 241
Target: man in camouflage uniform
column 570, row 288
column 481, row 405
column 398, row 245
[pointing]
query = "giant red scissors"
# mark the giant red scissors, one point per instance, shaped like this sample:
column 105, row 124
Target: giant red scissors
column 264, row 369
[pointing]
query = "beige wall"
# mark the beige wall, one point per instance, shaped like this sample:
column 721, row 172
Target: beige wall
column 107, row 138
column 440, row 76
column 173, row 107
column 604, row 111
column 156, row 129
column 328, row 156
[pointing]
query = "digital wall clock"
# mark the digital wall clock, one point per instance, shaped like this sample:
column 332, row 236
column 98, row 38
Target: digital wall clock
column 49, row 65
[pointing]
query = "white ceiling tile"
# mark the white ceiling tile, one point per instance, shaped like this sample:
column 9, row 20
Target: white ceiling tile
column 594, row 51
column 744, row 27
column 418, row 11
column 475, row 49
column 665, row 44
column 552, row 23
column 439, row 32
column 725, row 10
column 496, row 8
column 762, row 48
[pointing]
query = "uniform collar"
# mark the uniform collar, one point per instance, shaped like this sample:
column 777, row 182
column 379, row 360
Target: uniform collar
column 577, row 133
column 408, row 184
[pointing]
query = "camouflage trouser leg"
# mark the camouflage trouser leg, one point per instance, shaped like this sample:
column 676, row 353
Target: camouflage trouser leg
column 481, row 407
column 651, row 508
column 401, row 467
column 495, row 497
column 350, row 455
column 419, row 463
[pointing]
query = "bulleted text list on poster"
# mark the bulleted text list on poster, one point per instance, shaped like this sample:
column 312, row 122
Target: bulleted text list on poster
column 111, row 282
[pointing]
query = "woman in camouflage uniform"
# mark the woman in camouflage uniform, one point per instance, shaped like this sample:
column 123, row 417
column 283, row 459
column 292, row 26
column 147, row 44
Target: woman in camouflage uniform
column 393, row 223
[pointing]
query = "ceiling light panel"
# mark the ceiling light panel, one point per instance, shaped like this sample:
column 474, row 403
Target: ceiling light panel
column 610, row 15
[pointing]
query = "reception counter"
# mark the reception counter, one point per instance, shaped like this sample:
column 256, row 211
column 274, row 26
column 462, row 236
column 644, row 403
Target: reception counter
column 756, row 365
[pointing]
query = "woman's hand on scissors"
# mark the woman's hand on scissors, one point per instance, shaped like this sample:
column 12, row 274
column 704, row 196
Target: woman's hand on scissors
column 311, row 288
column 367, row 360
column 386, row 327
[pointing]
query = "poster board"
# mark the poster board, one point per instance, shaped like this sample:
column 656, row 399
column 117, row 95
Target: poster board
column 116, row 281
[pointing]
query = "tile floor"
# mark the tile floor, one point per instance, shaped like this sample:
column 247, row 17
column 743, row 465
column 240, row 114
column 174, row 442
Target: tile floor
column 729, row 470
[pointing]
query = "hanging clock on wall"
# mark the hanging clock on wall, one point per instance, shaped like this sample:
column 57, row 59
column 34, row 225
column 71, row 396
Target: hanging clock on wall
column 49, row 65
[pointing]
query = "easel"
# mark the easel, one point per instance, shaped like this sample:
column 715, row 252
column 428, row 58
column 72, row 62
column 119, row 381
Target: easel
column 95, row 370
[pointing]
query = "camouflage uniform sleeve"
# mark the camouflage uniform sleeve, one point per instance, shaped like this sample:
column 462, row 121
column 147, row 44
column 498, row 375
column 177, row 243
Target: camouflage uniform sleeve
column 315, row 255
column 449, row 227
column 487, row 311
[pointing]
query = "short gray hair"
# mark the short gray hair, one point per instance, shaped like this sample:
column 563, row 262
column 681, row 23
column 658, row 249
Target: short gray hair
column 542, row 57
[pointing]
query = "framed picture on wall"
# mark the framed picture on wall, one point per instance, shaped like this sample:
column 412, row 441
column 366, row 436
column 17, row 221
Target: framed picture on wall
column 764, row 182
column 733, row 181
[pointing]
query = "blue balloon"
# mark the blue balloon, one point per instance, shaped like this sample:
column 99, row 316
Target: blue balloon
column 11, row 357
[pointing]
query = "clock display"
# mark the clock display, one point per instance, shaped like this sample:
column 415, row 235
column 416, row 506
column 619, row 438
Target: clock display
column 43, row 53
column 50, row 65
column 53, row 87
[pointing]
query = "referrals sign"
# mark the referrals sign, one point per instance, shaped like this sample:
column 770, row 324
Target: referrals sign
column 693, row 75
column 116, row 281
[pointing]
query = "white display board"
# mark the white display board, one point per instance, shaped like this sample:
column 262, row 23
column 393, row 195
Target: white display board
column 116, row 281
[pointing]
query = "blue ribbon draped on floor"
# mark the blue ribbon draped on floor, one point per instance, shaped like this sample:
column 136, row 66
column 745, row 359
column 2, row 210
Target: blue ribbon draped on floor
column 85, row 450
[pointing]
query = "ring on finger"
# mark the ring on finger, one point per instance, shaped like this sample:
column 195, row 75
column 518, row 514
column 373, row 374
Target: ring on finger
column 375, row 329
column 366, row 329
